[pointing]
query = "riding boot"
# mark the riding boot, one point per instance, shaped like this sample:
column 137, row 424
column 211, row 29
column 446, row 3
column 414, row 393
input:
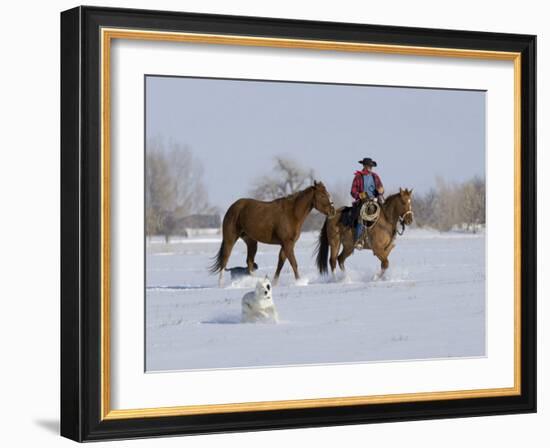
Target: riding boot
column 358, row 233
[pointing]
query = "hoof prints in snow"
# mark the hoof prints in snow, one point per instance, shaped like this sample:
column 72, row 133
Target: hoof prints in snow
column 224, row 320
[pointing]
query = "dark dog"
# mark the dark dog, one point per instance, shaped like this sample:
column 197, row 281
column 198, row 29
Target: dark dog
column 239, row 272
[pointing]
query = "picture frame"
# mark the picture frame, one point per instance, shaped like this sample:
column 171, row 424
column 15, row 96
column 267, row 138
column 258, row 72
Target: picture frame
column 86, row 238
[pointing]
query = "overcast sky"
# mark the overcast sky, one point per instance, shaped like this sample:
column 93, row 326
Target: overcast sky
column 235, row 128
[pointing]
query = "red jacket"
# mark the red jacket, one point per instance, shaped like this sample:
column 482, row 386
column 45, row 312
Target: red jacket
column 357, row 185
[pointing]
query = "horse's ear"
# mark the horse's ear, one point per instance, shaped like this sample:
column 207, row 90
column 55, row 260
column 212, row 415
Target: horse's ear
column 314, row 183
column 400, row 190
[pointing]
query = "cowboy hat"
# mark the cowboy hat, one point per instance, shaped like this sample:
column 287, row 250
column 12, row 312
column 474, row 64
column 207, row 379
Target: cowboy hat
column 368, row 161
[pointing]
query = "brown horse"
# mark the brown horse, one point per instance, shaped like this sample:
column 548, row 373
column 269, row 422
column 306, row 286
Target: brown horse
column 396, row 209
column 275, row 222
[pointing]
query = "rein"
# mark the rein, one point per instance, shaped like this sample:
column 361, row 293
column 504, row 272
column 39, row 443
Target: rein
column 401, row 219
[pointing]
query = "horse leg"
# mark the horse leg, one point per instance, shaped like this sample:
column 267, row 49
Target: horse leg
column 347, row 250
column 382, row 252
column 333, row 241
column 252, row 248
column 289, row 252
column 334, row 246
column 348, row 245
column 282, row 259
column 384, row 263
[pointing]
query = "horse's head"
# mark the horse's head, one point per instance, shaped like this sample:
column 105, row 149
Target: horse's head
column 322, row 200
column 404, row 207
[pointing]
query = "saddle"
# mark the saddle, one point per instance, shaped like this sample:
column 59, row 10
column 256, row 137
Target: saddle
column 367, row 211
column 349, row 215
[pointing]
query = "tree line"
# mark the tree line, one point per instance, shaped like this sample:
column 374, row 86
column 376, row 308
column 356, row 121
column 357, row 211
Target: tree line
column 452, row 205
column 174, row 188
column 175, row 191
column 444, row 207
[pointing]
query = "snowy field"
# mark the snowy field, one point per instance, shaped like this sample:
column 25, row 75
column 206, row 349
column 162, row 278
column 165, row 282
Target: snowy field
column 430, row 305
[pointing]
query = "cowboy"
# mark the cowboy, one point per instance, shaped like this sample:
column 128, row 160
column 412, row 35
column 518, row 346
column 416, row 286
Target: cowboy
column 366, row 186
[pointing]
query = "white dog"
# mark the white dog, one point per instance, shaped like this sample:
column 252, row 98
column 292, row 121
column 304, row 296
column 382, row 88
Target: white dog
column 258, row 306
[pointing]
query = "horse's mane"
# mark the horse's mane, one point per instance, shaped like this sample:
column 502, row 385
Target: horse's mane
column 294, row 195
column 391, row 197
column 389, row 200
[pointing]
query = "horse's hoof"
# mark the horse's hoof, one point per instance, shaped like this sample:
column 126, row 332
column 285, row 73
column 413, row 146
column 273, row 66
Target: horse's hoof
column 301, row 281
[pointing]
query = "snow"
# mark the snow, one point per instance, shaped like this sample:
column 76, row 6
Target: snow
column 431, row 304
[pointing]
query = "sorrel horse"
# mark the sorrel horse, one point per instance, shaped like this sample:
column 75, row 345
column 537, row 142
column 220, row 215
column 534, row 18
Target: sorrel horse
column 396, row 209
column 274, row 222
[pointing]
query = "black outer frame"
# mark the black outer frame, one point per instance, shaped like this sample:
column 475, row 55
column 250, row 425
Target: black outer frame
column 80, row 224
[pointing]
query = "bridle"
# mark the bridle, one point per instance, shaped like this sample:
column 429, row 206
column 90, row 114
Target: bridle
column 402, row 221
column 314, row 203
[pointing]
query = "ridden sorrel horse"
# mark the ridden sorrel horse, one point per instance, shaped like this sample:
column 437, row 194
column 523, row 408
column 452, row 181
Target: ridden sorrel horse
column 396, row 209
column 274, row 222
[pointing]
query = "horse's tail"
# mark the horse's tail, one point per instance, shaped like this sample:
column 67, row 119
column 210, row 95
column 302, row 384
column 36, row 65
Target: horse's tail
column 322, row 249
column 229, row 236
column 216, row 265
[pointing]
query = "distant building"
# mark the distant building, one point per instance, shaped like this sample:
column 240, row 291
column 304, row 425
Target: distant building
column 193, row 225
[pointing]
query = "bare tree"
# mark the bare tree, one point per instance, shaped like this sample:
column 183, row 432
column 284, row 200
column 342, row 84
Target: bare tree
column 289, row 177
column 472, row 203
column 173, row 186
column 446, row 205
column 452, row 205
column 158, row 190
column 425, row 209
